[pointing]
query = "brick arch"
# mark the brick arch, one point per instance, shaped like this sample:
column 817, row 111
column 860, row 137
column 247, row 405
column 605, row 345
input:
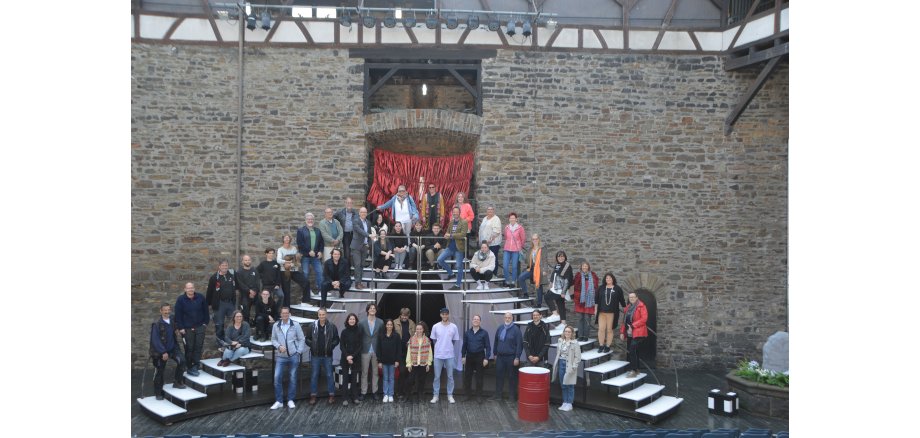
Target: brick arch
column 650, row 288
column 430, row 132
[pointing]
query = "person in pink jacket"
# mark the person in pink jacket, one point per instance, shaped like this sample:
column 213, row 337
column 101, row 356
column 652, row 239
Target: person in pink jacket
column 466, row 211
column 514, row 242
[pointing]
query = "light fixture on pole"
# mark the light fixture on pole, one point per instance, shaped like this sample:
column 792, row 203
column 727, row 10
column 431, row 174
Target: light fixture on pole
column 472, row 22
column 345, row 18
column 527, row 29
column 251, row 22
column 431, row 22
column 452, row 22
column 409, row 22
column 494, row 25
column 369, row 21
column 266, row 20
column 390, row 21
column 511, row 28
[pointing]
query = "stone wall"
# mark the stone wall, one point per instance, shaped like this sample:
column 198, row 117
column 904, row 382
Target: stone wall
column 618, row 159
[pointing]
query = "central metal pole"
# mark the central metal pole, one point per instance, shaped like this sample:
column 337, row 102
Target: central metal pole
column 239, row 141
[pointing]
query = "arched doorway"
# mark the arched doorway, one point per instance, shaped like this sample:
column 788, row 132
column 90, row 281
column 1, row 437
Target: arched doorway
column 649, row 348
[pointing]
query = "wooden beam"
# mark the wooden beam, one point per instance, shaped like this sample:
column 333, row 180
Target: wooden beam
column 777, row 9
column 382, row 81
column 423, row 53
column 756, row 57
column 743, row 24
column 137, row 25
column 600, row 38
column 485, row 5
column 464, row 83
column 626, row 7
column 172, row 28
column 206, row 5
column 696, row 42
column 665, row 23
column 367, row 82
column 271, row 32
column 414, row 66
column 463, row 36
column 303, row 29
column 749, row 95
column 553, row 36
column 718, row 3
column 411, row 35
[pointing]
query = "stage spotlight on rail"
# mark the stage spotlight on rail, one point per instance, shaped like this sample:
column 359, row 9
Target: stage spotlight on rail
column 409, row 22
column 251, row 22
column 431, row 22
column 369, row 21
column 472, row 22
column 527, row 30
column 389, row 21
column 494, row 25
column 511, row 28
column 345, row 19
column 266, row 20
column 452, row 22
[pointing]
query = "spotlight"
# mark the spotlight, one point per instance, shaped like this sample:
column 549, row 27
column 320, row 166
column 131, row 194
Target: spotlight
column 452, row 22
column 409, row 22
column 494, row 25
column 369, row 21
column 345, row 19
column 389, row 21
column 472, row 22
column 431, row 22
column 512, row 28
column 266, row 20
column 526, row 31
column 251, row 22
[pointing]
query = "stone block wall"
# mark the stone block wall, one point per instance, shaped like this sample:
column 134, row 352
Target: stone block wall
column 618, row 159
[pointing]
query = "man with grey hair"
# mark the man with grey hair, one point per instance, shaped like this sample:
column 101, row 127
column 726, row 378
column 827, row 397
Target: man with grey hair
column 310, row 246
column 332, row 233
column 509, row 344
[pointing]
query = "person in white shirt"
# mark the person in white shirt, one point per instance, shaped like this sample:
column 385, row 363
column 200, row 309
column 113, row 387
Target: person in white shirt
column 445, row 337
column 482, row 265
column 490, row 230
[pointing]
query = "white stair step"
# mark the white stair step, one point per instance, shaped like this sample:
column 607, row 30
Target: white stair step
column 349, row 300
column 548, row 320
column 580, row 343
column 254, row 355
column 162, row 408
column 607, row 367
column 204, row 379
column 307, row 307
column 493, row 289
column 521, row 311
column 186, row 394
column 621, row 380
column 382, row 290
column 661, row 405
column 302, row 320
column 643, row 392
column 212, row 363
column 559, row 329
column 498, row 301
column 253, row 341
column 592, row 354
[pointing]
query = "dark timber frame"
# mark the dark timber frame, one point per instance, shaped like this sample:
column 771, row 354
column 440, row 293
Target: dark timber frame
column 751, row 92
column 423, row 54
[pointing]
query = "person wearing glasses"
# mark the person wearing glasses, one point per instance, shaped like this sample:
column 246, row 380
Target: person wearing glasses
column 432, row 208
column 402, row 208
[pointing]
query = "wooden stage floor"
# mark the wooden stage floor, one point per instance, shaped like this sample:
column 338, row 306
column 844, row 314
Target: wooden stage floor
column 375, row 417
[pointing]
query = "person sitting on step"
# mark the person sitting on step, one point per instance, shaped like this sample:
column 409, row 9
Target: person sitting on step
column 236, row 340
column 267, row 312
column 482, row 265
column 163, row 347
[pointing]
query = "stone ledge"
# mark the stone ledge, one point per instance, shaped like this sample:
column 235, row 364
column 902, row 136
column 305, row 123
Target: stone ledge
column 758, row 398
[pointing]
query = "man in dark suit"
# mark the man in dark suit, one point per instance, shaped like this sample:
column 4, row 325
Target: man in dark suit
column 347, row 217
column 359, row 245
column 370, row 329
column 310, row 245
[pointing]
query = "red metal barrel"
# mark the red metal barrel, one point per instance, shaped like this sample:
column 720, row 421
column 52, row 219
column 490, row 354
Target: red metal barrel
column 533, row 394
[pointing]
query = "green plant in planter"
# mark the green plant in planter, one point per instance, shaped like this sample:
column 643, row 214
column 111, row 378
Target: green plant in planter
column 751, row 370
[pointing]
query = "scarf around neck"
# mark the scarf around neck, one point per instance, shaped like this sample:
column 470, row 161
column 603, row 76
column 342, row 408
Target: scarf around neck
column 587, row 290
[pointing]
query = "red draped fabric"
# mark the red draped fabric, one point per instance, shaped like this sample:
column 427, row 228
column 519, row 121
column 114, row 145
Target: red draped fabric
column 450, row 174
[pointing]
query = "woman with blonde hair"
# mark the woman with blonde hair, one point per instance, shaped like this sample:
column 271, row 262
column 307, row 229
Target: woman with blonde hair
column 565, row 366
column 419, row 358
column 236, row 340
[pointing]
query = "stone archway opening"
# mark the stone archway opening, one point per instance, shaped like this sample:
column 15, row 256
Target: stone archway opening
column 648, row 287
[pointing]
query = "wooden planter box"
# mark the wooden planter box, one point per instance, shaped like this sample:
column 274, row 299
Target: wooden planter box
column 758, row 398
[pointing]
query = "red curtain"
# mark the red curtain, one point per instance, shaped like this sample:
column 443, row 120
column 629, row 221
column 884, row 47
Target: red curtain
column 450, row 174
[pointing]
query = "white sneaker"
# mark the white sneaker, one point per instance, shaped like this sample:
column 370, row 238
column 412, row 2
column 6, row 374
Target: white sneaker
column 450, row 399
column 562, row 407
column 276, row 406
column 479, row 285
column 290, row 404
column 434, row 399
column 389, row 399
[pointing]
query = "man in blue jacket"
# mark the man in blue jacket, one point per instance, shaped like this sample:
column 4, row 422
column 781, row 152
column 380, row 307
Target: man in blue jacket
column 163, row 347
column 310, row 245
column 476, row 352
column 288, row 340
column 509, row 344
column 191, row 320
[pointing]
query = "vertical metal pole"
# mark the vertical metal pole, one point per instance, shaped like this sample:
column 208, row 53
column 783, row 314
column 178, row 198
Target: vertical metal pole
column 239, row 139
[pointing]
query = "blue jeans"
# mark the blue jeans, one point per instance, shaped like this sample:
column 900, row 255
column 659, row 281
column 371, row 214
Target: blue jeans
column 436, row 385
column 568, row 391
column 510, row 265
column 315, row 363
column 292, row 363
column 389, row 376
column 522, row 283
column 452, row 251
column 317, row 264
column 233, row 355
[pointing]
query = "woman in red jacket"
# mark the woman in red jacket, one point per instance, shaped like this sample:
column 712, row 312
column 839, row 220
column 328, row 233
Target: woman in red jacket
column 586, row 285
column 634, row 331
